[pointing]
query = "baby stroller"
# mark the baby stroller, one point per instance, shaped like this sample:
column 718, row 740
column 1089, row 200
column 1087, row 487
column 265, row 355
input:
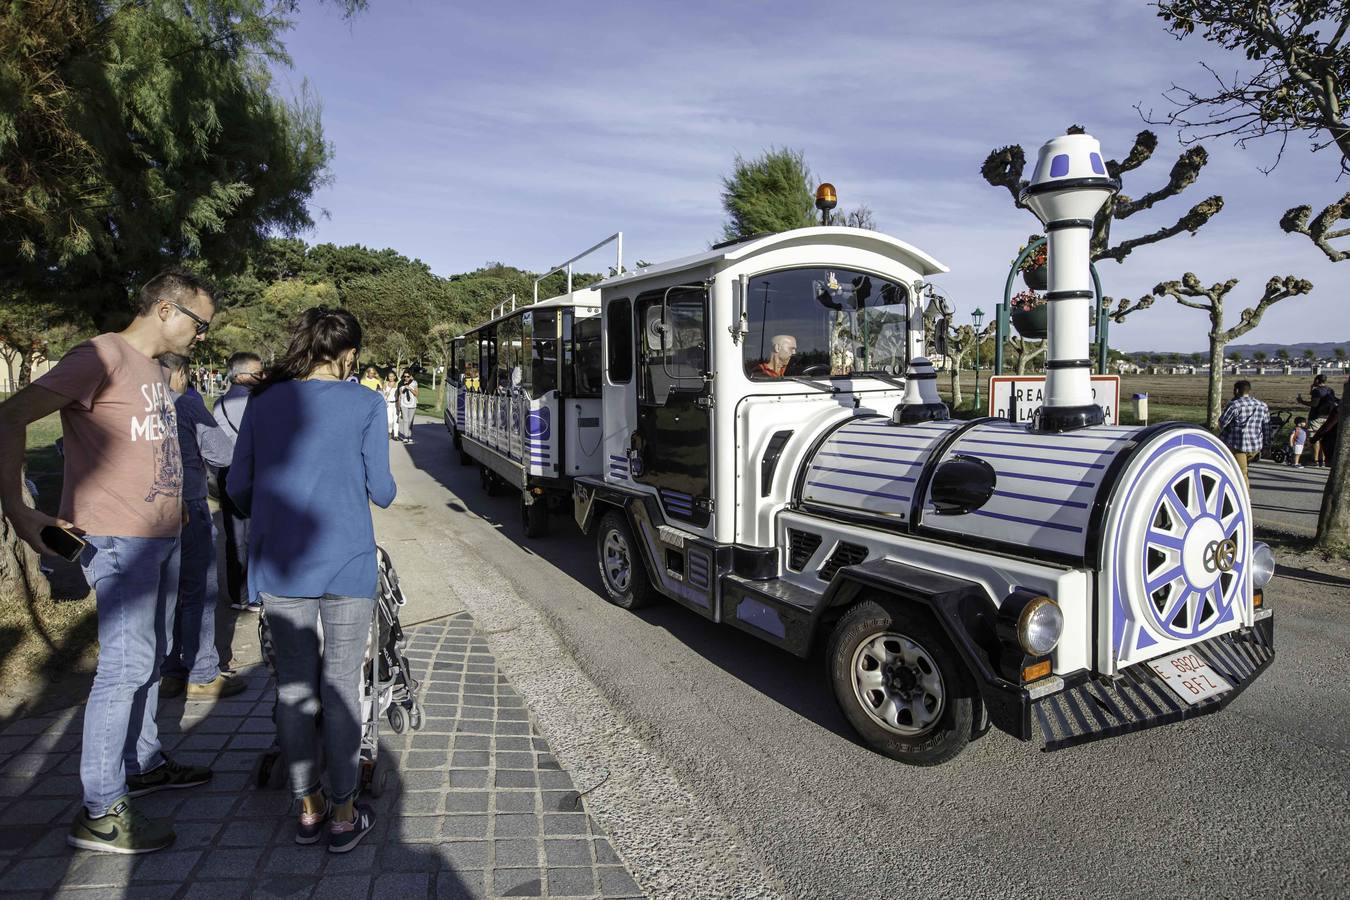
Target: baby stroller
column 1277, row 441
column 388, row 688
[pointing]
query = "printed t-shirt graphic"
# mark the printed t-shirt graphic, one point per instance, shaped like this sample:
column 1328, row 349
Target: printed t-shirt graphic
column 123, row 471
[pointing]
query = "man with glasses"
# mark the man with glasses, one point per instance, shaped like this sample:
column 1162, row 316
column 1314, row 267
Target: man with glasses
column 123, row 490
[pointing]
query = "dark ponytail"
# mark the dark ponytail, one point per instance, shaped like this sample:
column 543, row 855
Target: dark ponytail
column 321, row 335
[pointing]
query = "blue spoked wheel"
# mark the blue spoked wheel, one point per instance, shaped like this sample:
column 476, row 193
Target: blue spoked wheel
column 1194, row 551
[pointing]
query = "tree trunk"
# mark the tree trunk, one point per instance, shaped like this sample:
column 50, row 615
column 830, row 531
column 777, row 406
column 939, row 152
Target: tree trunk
column 1216, row 345
column 1333, row 524
column 956, row 381
column 20, row 579
column 25, row 371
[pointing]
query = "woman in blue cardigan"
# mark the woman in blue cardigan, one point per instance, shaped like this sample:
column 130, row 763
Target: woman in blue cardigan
column 312, row 454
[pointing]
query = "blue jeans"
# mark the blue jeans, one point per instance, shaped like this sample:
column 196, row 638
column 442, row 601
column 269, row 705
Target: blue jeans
column 311, row 677
column 134, row 581
column 193, row 656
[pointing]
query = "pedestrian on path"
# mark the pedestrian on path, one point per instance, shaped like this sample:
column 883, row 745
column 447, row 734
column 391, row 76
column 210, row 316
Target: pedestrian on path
column 193, row 664
column 246, row 371
column 371, row 378
column 1243, row 426
column 123, row 488
column 407, row 406
column 1298, row 438
column 1322, row 402
column 311, row 458
column 390, row 394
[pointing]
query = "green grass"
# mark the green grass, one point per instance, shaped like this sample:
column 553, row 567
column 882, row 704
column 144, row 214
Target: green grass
column 47, row 637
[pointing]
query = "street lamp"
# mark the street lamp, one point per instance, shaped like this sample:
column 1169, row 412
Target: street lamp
column 826, row 199
column 977, row 316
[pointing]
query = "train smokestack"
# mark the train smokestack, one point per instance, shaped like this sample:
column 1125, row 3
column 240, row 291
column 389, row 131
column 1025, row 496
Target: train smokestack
column 1068, row 188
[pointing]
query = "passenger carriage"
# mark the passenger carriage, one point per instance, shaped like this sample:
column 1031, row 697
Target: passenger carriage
column 523, row 401
column 775, row 458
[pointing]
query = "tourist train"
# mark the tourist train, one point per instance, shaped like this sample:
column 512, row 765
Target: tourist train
column 754, row 432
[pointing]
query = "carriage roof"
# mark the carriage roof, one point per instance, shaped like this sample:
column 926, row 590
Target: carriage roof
column 585, row 298
column 724, row 255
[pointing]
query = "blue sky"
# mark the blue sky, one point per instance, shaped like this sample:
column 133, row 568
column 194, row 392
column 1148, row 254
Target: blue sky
column 524, row 132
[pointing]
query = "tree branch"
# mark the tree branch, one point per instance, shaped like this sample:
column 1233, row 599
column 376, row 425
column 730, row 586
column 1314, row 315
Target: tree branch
column 1201, row 213
column 1295, row 221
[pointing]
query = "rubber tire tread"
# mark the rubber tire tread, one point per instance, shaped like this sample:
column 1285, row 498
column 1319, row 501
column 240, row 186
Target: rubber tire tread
column 640, row 591
column 953, row 731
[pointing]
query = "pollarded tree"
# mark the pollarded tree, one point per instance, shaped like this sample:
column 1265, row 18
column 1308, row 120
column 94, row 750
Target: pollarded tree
column 1282, row 355
column 1004, row 167
column 1310, row 354
column 1260, row 356
column 1190, row 292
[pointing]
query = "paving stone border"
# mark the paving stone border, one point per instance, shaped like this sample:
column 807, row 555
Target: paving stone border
column 476, row 807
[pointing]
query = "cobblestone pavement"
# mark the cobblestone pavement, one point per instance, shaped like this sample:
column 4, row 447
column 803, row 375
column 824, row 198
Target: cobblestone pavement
column 476, row 806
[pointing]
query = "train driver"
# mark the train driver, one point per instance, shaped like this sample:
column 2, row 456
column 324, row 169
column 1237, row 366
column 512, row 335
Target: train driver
column 784, row 346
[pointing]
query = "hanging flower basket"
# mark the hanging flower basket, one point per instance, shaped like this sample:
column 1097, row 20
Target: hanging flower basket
column 1037, row 279
column 1029, row 315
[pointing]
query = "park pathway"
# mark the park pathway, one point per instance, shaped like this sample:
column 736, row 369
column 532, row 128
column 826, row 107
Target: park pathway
column 476, row 805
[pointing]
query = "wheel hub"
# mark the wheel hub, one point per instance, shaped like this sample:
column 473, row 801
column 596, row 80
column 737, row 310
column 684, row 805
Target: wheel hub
column 898, row 684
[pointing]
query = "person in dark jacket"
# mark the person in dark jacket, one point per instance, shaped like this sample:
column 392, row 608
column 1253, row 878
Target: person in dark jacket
column 246, row 370
column 1322, row 403
column 311, row 457
column 193, row 662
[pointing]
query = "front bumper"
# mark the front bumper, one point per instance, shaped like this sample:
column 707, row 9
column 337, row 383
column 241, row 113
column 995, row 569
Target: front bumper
column 1139, row 698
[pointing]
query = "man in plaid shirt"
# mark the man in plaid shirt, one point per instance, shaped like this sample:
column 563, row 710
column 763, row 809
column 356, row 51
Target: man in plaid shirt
column 1243, row 426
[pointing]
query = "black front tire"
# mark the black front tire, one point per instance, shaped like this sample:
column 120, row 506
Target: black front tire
column 622, row 569
column 464, row 458
column 945, row 737
column 487, row 481
column 534, row 517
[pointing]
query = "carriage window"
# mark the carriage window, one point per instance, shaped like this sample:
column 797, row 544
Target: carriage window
column 509, row 336
column 673, row 342
column 619, row 341
column 544, row 353
column 585, row 363
column 825, row 323
column 487, row 364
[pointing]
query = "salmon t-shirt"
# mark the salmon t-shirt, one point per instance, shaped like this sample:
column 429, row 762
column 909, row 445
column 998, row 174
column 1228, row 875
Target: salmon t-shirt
column 123, row 473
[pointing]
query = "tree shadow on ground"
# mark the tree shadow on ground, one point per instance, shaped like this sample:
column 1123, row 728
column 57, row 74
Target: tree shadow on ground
column 801, row 685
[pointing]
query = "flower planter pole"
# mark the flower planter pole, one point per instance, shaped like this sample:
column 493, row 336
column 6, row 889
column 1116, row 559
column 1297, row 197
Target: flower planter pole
column 1003, row 312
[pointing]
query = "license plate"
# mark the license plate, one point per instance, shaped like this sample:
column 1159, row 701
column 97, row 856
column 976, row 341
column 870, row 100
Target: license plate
column 1190, row 677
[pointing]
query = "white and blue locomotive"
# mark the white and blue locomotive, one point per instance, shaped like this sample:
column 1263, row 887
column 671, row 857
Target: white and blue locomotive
column 775, row 457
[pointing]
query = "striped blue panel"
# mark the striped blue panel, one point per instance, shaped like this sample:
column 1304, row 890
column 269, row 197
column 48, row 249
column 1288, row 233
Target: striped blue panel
column 1045, row 484
column 870, row 465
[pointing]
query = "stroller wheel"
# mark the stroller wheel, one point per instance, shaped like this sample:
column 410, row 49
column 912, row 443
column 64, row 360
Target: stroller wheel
column 397, row 719
column 379, row 780
column 415, row 717
column 267, row 771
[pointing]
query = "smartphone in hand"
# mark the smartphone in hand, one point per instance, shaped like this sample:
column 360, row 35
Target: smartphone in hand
column 65, row 542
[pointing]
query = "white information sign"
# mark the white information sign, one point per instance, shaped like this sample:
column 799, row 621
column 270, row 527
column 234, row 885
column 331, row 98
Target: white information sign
column 1027, row 393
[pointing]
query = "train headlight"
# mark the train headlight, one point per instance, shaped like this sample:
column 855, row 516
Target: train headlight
column 1039, row 626
column 1029, row 623
column 1263, row 565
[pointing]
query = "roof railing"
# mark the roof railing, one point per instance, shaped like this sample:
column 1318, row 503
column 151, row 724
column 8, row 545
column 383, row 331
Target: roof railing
column 615, row 238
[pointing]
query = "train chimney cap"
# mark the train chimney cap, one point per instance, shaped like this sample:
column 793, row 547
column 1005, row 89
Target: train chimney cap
column 1070, row 182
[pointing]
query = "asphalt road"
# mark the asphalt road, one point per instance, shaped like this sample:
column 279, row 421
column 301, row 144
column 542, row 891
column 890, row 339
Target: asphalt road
column 738, row 751
column 1287, row 498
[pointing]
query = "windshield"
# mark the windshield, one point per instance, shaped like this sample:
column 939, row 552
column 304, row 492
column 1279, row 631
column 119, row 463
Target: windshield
column 825, row 323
